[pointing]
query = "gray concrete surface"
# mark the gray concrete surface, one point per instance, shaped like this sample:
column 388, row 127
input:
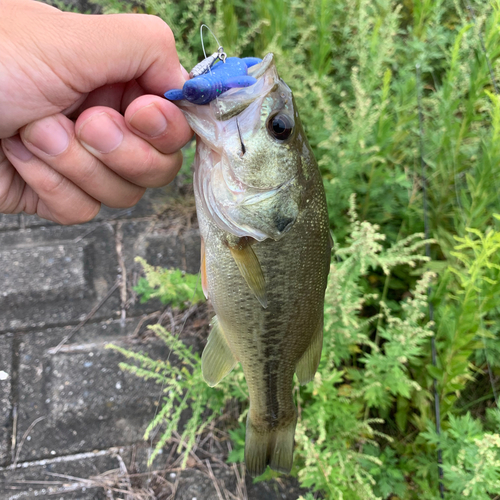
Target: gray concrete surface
column 71, row 410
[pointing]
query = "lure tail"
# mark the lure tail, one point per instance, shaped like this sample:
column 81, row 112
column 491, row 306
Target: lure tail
column 273, row 448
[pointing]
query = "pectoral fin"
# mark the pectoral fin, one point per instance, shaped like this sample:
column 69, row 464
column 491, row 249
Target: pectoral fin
column 217, row 359
column 309, row 362
column 250, row 269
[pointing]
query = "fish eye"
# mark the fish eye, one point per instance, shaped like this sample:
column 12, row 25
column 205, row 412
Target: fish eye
column 280, row 126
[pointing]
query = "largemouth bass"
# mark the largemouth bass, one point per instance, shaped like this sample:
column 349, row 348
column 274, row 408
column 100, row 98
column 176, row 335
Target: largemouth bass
column 265, row 253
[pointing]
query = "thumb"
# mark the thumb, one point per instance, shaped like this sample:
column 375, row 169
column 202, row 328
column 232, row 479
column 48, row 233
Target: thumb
column 119, row 48
column 86, row 52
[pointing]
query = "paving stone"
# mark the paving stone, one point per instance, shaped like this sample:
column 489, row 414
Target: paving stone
column 23, row 481
column 77, row 398
column 56, row 275
column 9, row 221
column 154, row 202
column 160, row 247
column 39, row 478
column 193, row 484
column 36, row 273
column 5, row 395
column 28, row 221
column 182, row 251
column 85, row 401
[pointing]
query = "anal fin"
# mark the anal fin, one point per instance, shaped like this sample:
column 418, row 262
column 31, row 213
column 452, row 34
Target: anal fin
column 217, row 359
column 309, row 362
column 250, row 269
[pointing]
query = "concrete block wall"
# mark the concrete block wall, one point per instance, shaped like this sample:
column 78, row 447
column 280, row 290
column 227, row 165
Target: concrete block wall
column 66, row 409
column 73, row 400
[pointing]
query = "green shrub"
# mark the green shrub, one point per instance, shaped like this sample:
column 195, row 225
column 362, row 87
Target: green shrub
column 171, row 286
column 471, row 459
column 367, row 427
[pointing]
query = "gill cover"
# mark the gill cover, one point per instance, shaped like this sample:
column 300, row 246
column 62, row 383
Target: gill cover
column 245, row 172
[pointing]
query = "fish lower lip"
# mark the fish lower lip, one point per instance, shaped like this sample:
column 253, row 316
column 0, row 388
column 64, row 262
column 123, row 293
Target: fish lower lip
column 264, row 195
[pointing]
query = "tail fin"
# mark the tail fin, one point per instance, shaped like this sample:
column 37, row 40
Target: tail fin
column 273, row 448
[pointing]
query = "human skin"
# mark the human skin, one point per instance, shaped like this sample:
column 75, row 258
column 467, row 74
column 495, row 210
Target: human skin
column 81, row 117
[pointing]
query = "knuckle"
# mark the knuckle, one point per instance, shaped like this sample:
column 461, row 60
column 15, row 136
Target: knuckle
column 160, row 30
column 11, row 186
column 85, row 174
column 5, row 195
column 144, row 168
column 52, row 182
column 134, row 198
column 175, row 165
column 165, row 172
column 163, row 28
column 129, row 199
column 147, row 166
column 91, row 213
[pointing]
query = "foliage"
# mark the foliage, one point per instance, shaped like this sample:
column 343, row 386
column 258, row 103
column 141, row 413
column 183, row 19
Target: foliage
column 367, row 421
column 182, row 383
column 468, row 316
column 358, row 374
column 180, row 377
column 471, row 459
column 356, row 414
column 171, row 286
column 183, row 387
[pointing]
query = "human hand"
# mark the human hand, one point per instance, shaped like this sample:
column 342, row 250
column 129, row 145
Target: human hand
column 65, row 79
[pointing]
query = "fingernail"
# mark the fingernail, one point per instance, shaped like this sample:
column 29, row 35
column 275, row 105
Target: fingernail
column 15, row 146
column 101, row 133
column 149, row 120
column 48, row 135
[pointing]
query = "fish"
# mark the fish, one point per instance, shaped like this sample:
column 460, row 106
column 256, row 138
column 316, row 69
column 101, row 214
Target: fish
column 266, row 248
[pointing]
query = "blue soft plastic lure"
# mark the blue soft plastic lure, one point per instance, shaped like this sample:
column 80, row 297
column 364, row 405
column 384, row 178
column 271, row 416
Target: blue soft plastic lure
column 204, row 88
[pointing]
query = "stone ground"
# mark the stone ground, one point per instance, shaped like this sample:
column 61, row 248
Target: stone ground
column 71, row 423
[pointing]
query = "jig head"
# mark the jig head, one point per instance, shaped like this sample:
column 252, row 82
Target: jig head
column 204, row 66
